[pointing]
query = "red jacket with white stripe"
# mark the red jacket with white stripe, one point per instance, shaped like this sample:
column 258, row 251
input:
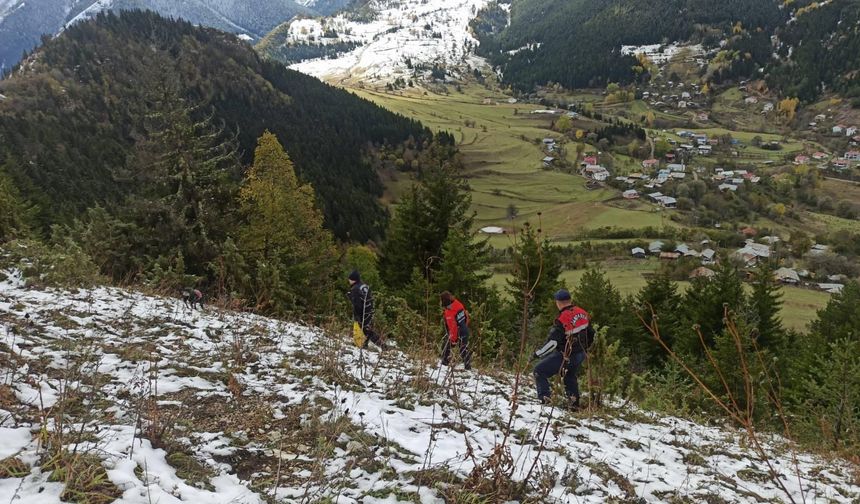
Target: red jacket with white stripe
column 573, row 326
column 456, row 321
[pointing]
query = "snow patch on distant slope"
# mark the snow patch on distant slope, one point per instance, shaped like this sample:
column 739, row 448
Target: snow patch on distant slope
column 420, row 32
column 8, row 7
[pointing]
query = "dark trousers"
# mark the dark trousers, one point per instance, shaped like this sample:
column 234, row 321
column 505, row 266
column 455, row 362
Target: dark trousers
column 554, row 364
column 370, row 335
column 465, row 353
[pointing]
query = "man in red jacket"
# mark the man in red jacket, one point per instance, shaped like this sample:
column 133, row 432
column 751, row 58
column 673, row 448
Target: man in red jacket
column 565, row 349
column 457, row 328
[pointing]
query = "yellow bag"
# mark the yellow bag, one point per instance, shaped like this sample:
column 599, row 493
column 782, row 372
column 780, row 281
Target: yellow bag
column 358, row 335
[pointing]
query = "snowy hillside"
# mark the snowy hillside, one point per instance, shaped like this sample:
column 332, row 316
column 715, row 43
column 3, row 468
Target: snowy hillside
column 254, row 19
column 402, row 34
column 22, row 22
column 222, row 407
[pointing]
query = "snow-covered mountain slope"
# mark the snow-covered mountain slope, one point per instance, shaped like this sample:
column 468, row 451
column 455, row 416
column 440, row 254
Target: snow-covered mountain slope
column 403, row 37
column 237, row 16
column 23, row 22
column 223, row 407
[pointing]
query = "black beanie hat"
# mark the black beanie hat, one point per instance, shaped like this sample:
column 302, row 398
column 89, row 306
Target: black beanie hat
column 354, row 276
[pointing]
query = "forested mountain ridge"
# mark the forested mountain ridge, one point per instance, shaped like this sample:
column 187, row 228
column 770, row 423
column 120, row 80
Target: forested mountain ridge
column 577, row 43
column 819, row 51
column 77, row 111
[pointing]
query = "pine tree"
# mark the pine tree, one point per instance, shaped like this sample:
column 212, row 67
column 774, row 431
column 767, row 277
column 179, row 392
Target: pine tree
column 765, row 305
column 284, row 239
column 438, row 204
column 832, row 395
column 659, row 295
column 705, row 306
column 535, row 269
column 15, row 216
column 596, row 294
column 463, row 270
column 185, row 171
column 841, row 317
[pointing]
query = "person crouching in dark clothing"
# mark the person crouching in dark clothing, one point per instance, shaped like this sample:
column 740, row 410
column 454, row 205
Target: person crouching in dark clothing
column 192, row 297
column 362, row 309
column 564, row 351
column 456, row 320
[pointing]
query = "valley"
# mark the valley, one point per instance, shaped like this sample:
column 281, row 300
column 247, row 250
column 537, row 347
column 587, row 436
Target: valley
column 502, row 150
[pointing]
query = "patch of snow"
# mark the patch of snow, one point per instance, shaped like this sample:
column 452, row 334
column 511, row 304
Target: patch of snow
column 425, row 33
column 14, row 440
column 413, row 430
column 660, row 54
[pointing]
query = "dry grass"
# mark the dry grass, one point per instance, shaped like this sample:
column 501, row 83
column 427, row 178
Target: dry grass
column 84, row 477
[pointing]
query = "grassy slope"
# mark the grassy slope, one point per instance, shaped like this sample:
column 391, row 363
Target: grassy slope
column 504, row 169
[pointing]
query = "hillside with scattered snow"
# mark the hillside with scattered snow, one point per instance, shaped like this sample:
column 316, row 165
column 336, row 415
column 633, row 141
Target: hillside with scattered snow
column 402, row 39
column 166, row 405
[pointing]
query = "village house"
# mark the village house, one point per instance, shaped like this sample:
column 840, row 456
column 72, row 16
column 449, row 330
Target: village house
column 728, row 187
column 631, row 194
column 851, row 131
column 750, row 100
column 705, row 150
column 768, row 107
column 819, row 156
column 852, row 156
column 655, row 247
column 649, row 164
column 801, row 159
column 676, row 167
column 838, row 129
column 670, row 256
column 597, row 172
column 589, row 160
column 548, row 161
column 702, row 116
column 709, row 256
column 668, row 202
column 752, row 253
column 702, row 272
column 831, row 288
column 820, row 117
column 638, row 253
column 841, row 164
column 787, row 276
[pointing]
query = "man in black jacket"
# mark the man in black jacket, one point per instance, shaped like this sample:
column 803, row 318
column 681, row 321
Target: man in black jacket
column 362, row 309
